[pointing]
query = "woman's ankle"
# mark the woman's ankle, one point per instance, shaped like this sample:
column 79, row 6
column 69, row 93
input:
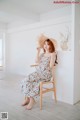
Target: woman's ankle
column 26, row 101
column 31, row 104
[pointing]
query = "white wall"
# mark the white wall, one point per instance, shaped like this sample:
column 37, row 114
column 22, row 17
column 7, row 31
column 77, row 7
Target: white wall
column 65, row 11
column 76, row 9
column 23, row 22
column 21, row 52
column 16, row 14
column 3, row 29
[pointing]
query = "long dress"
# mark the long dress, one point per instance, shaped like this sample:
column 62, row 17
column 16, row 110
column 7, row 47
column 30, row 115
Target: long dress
column 30, row 85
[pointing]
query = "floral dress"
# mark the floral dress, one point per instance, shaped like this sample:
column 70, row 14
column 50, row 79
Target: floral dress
column 30, row 85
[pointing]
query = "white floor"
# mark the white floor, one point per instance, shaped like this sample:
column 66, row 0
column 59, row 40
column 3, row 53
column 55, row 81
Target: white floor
column 11, row 98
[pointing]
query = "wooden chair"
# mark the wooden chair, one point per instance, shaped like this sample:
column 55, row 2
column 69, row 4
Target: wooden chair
column 44, row 90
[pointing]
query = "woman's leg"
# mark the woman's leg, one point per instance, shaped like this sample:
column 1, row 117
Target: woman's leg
column 31, row 103
column 30, row 87
column 26, row 101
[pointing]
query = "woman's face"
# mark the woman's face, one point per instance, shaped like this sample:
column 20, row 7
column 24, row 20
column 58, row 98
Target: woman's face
column 46, row 46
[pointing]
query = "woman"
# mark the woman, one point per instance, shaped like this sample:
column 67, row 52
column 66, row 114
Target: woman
column 45, row 61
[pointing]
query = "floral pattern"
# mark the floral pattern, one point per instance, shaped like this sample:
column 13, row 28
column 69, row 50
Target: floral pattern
column 30, row 85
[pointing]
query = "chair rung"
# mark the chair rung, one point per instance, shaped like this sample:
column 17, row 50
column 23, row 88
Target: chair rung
column 48, row 90
column 47, row 82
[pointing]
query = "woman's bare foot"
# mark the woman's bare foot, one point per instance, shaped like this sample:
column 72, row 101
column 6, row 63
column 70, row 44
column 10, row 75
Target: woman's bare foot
column 31, row 103
column 26, row 101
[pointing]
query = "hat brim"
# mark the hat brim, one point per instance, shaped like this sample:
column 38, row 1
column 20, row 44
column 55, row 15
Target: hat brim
column 42, row 38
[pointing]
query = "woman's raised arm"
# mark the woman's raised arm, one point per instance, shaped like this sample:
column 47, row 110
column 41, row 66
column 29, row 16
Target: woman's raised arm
column 38, row 55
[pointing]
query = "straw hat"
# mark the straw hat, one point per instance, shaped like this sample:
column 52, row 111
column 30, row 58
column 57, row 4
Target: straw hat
column 41, row 40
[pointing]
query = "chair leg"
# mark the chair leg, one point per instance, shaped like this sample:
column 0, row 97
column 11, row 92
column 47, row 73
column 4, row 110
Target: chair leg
column 55, row 95
column 40, row 96
column 54, row 92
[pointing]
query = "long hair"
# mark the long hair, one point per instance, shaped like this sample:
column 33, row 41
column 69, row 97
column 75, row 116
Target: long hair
column 51, row 49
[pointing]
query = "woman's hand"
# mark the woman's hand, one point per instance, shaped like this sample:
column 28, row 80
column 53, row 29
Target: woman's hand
column 34, row 65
